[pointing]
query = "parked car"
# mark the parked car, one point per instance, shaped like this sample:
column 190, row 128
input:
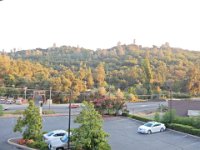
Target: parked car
column 151, row 127
column 59, row 144
column 52, row 135
column 5, row 107
column 75, row 106
column 10, row 101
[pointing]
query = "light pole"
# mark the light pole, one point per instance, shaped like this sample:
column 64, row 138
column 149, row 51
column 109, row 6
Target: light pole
column 50, row 97
column 170, row 105
column 69, row 121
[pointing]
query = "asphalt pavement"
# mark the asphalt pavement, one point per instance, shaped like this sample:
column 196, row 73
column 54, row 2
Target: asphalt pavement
column 123, row 134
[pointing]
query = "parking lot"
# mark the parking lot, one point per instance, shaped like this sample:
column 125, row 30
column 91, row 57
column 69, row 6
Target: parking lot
column 123, row 134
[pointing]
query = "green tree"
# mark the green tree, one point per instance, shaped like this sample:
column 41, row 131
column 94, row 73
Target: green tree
column 31, row 122
column 90, row 135
column 147, row 75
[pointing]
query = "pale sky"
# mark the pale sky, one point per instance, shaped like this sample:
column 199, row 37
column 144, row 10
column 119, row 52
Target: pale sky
column 29, row 24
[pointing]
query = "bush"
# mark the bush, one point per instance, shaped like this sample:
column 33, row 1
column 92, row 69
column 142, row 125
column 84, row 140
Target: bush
column 1, row 110
column 157, row 116
column 181, row 95
column 38, row 144
column 190, row 121
column 184, row 128
column 169, row 116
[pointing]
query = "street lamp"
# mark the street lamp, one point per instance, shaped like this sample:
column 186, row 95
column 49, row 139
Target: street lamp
column 69, row 121
column 170, row 105
column 50, row 97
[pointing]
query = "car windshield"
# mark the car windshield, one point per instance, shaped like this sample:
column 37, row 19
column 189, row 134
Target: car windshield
column 50, row 134
column 148, row 124
column 64, row 139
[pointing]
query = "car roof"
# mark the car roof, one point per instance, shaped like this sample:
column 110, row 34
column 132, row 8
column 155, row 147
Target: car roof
column 154, row 122
column 58, row 131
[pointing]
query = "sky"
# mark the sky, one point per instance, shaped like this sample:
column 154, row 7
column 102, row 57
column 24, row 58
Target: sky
column 93, row 24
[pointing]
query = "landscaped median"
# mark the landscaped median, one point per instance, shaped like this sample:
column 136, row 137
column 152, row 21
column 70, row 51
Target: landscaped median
column 14, row 142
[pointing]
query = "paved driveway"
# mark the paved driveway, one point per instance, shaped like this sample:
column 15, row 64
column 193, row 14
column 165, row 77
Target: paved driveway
column 123, row 135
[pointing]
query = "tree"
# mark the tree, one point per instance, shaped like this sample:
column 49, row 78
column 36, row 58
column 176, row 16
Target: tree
column 31, row 122
column 90, row 135
column 193, row 82
column 102, row 91
column 90, row 80
column 100, row 74
column 147, row 75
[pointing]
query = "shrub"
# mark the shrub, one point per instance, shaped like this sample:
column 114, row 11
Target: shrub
column 168, row 117
column 157, row 116
column 181, row 95
column 191, row 121
column 38, row 144
column 184, row 128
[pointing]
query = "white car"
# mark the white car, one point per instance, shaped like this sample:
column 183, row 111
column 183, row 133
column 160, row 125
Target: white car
column 59, row 144
column 151, row 127
column 53, row 135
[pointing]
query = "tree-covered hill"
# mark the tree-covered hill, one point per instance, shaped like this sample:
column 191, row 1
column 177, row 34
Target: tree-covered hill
column 133, row 68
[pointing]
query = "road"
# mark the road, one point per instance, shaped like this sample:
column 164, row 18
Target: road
column 63, row 108
column 122, row 132
column 144, row 106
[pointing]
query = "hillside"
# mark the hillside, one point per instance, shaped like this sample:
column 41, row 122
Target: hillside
column 124, row 66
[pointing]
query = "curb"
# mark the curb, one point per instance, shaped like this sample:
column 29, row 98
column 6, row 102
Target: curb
column 9, row 141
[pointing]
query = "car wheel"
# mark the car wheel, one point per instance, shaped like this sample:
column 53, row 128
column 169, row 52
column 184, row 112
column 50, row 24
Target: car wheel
column 59, row 148
column 149, row 132
column 161, row 130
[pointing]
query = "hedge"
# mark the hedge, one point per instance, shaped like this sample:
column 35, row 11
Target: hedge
column 137, row 117
column 185, row 128
column 190, row 121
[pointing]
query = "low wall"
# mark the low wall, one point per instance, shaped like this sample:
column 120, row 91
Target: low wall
column 182, row 106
